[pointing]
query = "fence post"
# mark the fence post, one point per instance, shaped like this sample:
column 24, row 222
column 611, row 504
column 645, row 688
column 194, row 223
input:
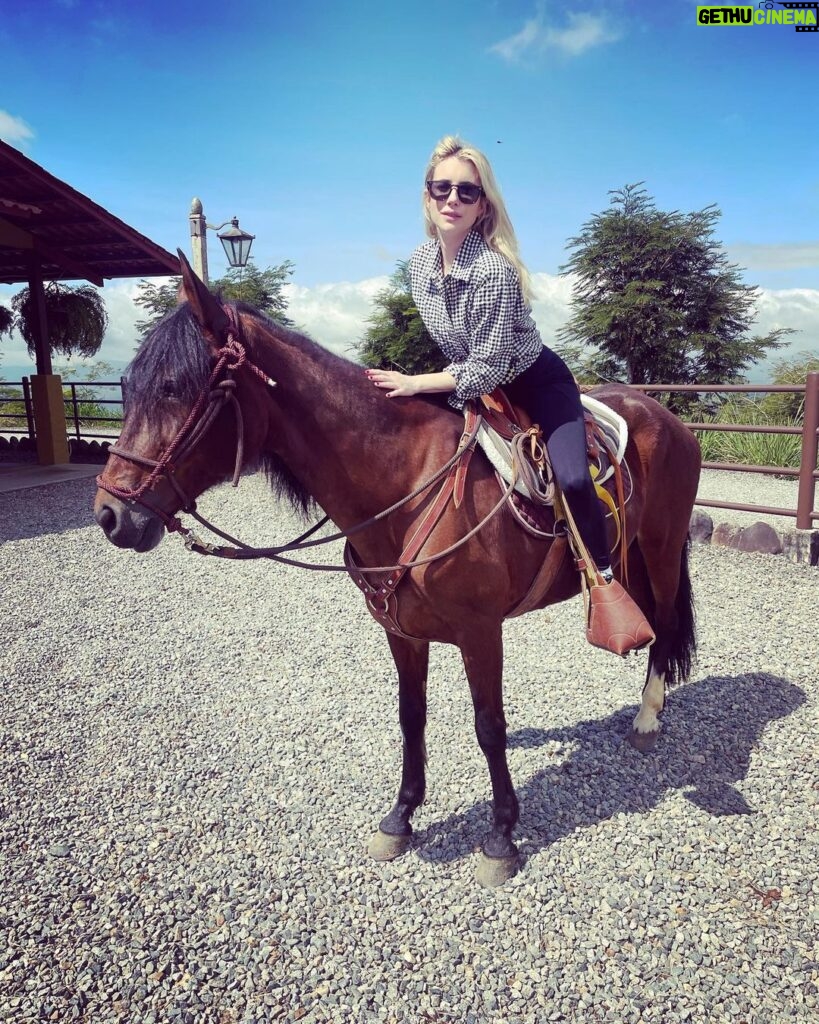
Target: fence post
column 75, row 410
column 810, row 444
column 32, row 432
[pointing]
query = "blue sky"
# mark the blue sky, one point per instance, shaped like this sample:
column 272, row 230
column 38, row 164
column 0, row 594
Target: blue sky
column 312, row 122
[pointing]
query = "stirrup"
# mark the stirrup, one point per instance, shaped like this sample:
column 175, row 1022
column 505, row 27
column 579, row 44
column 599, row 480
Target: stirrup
column 614, row 621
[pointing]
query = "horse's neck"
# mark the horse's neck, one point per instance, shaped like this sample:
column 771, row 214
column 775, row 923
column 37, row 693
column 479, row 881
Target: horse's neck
column 354, row 450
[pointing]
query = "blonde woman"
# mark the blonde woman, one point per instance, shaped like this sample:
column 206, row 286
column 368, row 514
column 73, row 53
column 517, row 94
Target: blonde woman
column 471, row 290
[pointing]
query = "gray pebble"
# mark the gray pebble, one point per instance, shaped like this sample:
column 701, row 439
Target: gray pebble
column 194, row 753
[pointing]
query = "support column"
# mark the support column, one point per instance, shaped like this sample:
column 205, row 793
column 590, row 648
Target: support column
column 46, row 387
column 49, row 419
column 199, row 241
column 42, row 349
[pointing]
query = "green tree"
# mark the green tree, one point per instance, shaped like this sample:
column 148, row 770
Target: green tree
column 88, row 373
column 793, row 370
column 157, row 300
column 76, row 319
column 396, row 337
column 656, row 300
column 263, row 289
column 6, row 323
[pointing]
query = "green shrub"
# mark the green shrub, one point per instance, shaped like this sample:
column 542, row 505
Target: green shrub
column 12, row 413
column 750, row 449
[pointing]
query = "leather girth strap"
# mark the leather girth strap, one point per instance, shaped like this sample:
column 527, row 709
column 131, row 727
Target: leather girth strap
column 380, row 594
column 544, row 578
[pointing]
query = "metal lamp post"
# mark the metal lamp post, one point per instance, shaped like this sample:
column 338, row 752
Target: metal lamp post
column 235, row 242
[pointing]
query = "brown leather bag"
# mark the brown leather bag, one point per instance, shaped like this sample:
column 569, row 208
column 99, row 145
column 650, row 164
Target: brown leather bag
column 613, row 620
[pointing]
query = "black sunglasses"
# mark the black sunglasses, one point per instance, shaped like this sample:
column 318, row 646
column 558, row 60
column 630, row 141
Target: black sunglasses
column 467, row 192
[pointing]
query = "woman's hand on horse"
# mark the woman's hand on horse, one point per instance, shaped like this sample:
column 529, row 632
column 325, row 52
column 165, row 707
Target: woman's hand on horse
column 403, row 385
column 399, row 385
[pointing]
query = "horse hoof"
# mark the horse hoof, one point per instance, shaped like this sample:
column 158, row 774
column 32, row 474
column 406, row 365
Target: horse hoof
column 492, row 871
column 383, row 846
column 645, row 742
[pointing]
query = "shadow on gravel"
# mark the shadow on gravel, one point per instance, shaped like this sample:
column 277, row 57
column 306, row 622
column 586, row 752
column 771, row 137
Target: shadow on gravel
column 42, row 511
column 710, row 729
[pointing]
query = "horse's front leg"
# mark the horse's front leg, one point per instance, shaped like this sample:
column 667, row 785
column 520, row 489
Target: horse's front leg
column 395, row 831
column 483, row 659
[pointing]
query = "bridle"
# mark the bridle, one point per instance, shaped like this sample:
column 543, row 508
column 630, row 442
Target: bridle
column 213, row 397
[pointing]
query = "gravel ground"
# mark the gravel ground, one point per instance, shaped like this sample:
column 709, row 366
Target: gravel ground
column 193, row 755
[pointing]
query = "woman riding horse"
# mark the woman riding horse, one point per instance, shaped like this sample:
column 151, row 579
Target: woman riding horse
column 471, row 290
column 199, row 408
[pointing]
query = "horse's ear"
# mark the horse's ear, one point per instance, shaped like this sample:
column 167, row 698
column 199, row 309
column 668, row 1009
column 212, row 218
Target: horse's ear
column 205, row 306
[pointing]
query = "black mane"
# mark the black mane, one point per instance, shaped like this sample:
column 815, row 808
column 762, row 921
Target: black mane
column 174, row 361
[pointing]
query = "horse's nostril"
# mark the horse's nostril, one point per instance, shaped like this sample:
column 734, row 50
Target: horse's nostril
column 106, row 517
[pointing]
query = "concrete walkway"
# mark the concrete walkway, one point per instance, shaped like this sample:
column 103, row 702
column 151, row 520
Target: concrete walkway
column 16, row 477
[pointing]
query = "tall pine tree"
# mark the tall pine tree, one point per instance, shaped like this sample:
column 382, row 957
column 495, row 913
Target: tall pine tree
column 655, row 299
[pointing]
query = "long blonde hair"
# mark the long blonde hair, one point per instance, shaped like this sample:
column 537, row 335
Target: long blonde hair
column 494, row 223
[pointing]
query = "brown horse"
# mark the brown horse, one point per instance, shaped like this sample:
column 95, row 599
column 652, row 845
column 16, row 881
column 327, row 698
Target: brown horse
column 326, row 436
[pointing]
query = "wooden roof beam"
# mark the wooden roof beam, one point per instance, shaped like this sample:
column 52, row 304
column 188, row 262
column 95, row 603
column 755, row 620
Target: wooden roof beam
column 12, row 236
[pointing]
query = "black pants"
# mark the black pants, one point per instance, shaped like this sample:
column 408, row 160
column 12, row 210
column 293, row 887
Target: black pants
column 547, row 391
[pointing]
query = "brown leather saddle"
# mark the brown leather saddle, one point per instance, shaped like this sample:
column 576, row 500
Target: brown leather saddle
column 508, row 420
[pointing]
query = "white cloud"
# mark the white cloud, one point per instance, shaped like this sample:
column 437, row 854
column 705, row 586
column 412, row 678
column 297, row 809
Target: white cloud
column 797, row 308
column 14, row 130
column 787, row 256
column 335, row 315
column 581, row 32
column 122, row 337
column 551, row 297
column 512, row 48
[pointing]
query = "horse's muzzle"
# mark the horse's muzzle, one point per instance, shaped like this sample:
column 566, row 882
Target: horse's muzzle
column 125, row 525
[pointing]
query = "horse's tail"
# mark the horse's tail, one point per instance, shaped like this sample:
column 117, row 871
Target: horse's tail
column 682, row 644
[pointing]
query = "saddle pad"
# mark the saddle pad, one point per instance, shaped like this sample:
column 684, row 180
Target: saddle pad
column 499, row 451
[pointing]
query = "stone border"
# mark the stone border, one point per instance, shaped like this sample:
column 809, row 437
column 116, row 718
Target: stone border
column 759, row 538
column 24, row 450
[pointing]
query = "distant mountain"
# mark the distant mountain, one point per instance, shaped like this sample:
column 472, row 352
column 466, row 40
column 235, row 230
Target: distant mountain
column 12, row 373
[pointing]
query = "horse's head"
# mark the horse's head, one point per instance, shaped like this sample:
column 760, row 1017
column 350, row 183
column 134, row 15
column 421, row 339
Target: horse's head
column 183, row 427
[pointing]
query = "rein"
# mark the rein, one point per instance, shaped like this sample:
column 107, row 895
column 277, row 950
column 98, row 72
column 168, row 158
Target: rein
column 245, row 551
column 214, row 396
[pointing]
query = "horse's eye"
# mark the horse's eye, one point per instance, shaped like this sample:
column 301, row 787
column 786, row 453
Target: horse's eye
column 168, row 388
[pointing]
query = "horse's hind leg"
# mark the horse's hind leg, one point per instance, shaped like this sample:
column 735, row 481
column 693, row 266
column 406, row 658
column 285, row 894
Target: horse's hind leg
column 483, row 661
column 646, row 726
column 670, row 607
column 395, row 831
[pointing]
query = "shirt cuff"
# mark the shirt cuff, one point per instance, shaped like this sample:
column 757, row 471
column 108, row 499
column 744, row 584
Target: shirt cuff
column 456, row 369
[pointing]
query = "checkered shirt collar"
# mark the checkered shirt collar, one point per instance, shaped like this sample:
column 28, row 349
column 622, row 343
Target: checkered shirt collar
column 471, row 248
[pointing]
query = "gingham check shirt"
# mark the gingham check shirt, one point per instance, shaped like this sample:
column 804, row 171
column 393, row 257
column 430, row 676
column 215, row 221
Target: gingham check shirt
column 476, row 315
